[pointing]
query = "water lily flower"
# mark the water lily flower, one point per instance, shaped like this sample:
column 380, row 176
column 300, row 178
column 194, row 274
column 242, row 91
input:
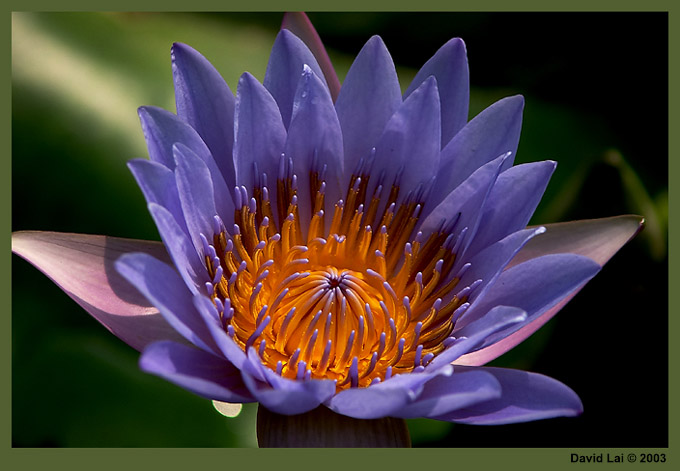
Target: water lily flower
column 349, row 250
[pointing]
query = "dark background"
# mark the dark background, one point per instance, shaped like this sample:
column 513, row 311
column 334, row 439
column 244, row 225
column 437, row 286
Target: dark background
column 596, row 89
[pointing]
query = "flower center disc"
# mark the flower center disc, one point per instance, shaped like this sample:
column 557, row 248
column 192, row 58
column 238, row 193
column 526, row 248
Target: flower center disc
column 349, row 307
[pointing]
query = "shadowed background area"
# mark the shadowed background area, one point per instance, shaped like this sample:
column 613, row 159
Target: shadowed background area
column 596, row 102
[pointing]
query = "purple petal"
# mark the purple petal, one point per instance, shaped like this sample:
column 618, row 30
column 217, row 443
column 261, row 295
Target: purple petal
column 288, row 397
column 525, row 397
column 448, row 393
column 409, row 144
column 533, row 286
column 450, row 67
column 500, row 346
column 488, row 264
column 298, row 23
column 195, row 195
column 491, row 133
column 286, row 62
column 83, row 266
column 254, row 368
column 205, row 102
column 259, row 134
column 196, row 371
column 598, row 239
column 369, row 96
column 467, row 199
column 314, row 135
column 512, row 202
column 477, row 332
column 385, row 398
column 184, row 255
column 371, row 402
column 227, row 346
column 157, row 183
column 165, row 289
column 320, row 390
column 164, row 131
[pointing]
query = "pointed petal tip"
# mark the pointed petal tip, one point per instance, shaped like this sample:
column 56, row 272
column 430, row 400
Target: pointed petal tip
column 641, row 224
column 512, row 102
column 375, row 42
column 516, row 100
column 286, row 34
column 247, row 78
column 179, row 46
column 148, row 111
column 431, row 81
column 178, row 49
column 458, row 42
column 429, row 88
column 455, row 47
column 176, row 46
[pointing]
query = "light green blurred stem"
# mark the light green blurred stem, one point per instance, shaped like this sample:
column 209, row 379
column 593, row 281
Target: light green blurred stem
column 640, row 202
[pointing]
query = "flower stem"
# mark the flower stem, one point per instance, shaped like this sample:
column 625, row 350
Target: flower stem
column 323, row 428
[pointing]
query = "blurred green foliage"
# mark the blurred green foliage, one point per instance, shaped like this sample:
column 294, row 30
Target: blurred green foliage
column 77, row 80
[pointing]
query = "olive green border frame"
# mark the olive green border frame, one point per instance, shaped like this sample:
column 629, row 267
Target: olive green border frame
column 166, row 459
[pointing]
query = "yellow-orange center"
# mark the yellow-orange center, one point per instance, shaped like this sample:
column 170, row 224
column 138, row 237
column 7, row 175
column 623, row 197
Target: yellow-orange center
column 349, row 303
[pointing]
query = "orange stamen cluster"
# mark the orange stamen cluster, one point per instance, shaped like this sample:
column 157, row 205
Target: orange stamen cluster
column 350, row 303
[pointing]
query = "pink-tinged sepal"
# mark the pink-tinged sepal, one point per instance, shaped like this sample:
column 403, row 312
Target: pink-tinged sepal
column 597, row 239
column 83, row 266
